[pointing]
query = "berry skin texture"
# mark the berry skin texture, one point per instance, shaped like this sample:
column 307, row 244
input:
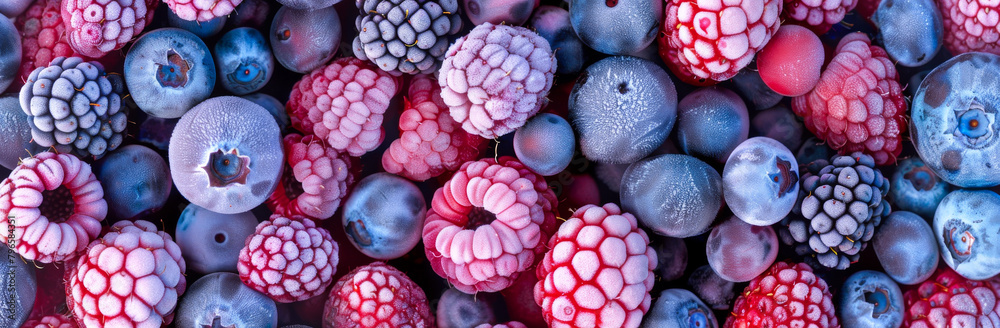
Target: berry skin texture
column 970, row 26
column 496, row 77
column 314, row 181
column 787, row 295
column 377, row 295
column 405, row 36
column 948, row 300
column 51, row 321
column 598, row 271
column 289, row 260
column 430, row 142
column 131, row 277
column 95, row 29
column 817, row 15
column 202, row 10
column 43, row 36
column 858, row 104
column 55, row 204
column 343, row 103
column 704, row 42
column 791, row 63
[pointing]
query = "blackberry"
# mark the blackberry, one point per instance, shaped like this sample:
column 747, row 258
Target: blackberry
column 75, row 107
column 840, row 206
column 405, row 36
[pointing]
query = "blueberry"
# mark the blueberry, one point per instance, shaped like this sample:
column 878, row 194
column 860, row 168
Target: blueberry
column 711, row 122
column 379, row 231
column 456, row 309
column 718, row 293
column 916, row 188
column 168, row 71
column 136, row 181
column 870, row 299
column 912, row 31
column 967, row 227
column 10, row 52
column 552, row 23
column 906, row 248
column 674, row 195
column 679, row 308
column 778, row 123
column 13, row 8
column 201, row 29
column 249, row 13
column 813, row 149
column 954, row 121
column 545, row 144
column 221, row 300
column 739, row 252
column 308, row 4
column 750, row 85
column 616, row 27
column 273, row 106
column 19, row 287
column 513, row 12
column 15, row 133
column 304, row 40
column 244, row 61
column 761, row 181
column 211, row 242
column 671, row 257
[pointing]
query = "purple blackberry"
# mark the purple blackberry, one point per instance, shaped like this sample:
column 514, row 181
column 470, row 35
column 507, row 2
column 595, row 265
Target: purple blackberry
column 74, row 106
column 841, row 206
column 405, row 36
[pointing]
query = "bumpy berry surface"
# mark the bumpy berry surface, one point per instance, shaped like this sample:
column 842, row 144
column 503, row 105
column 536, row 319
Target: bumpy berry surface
column 51, row 321
column 97, row 27
column 598, row 271
column 948, row 300
column 405, row 36
column 289, row 260
column 377, row 295
column 430, row 142
column 970, row 26
column 787, row 295
column 817, row 15
column 202, row 10
column 707, row 41
column 314, row 181
column 131, row 277
column 488, row 224
column 858, row 104
column 43, row 36
column 343, row 103
column 53, row 205
column 496, row 77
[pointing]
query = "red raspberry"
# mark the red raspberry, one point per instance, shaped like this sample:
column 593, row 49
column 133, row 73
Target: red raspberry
column 343, row 103
column 488, row 224
column 858, row 104
column 786, row 295
column 949, row 300
column 55, row 204
column 43, row 36
column 708, row 41
column 971, row 26
column 377, row 295
column 50, row 321
column 97, row 27
column 512, row 324
column 430, row 141
column 289, row 260
column 817, row 15
column 202, row 10
column 131, row 277
column 598, row 271
column 314, row 180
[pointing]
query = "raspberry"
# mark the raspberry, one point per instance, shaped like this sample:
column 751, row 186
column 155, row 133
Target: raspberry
column 50, row 321
column 598, row 271
column 858, row 104
column 343, row 103
column 405, row 36
column 704, row 42
column 496, row 77
column 289, row 260
column 430, row 141
column 970, row 26
column 512, row 324
column 377, row 295
column 55, row 204
column 314, row 181
column 787, row 295
column 131, row 277
column 43, row 36
column 949, row 300
column 488, row 224
column 817, row 15
column 202, row 10
column 95, row 29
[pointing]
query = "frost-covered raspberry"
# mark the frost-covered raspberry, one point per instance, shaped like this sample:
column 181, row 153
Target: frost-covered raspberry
column 512, row 324
column 289, row 260
column 97, row 27
column 314, row 181
column 971, row 26
column 74, row 106
column 430, row 141
column 817, row 15
column 704, row 42
column 377, row 295
column 56, row 205
column 949, row 300
column 343, row 103
column 50, row 321
column 202, row 10
column 131, row 277
column 787, row 295
column 488, row 224
column 43, row 36
column 598, row 271
column 496, row 77
column 858, row 104
column 405, row 36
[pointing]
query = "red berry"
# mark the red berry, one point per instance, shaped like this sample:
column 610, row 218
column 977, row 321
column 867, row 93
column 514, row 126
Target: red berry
column 377, row 295
column 817, row 15
column 289, row 260
column 791, row 63
column 202, row 10
column 971, row 26
column 314, row 181
column 786, row 295
column 50, row 321
column 97, row 27
column 949, row 300
column 43, row 37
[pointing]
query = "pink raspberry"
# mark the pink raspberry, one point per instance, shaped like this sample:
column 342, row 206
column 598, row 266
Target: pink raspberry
column 950, row 300
column 43, row 36
column 131, row 277
column 289, row 260
column 50, row 321
column 202, row 10
column 778, row 297
column 55, row 204
column 971, row 26
column 817, row 15
column 598, row 271
column 376, row 295
column 314, row 181
column 96, row 29
column 512, row 324
column 496, row 77
column 430, row 141
column 488, row 224
column 343, row 103
column 704, row 42
column 858, row 104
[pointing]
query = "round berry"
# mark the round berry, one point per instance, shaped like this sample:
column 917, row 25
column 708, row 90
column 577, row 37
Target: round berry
column 790, row 63
column 169, row 71
column 870, row 299
column 305, row 39
column 711, row 122
column 786, row 295
column 353, row 300
column 97, row 27
column 679, row 308
column 379, row 231
column 211, row 242
column 201, row 10
column 739, row 252
column 545, row 144
column 289, row 260
column 965, row 226
column 906, row 247
column 761, row 181
column 136, row 181
column 314, row 181
column 221, row 300
column 616, row 27
column 650, row 191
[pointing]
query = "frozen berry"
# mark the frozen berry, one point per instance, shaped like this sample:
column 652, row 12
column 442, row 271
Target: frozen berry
column 202, row 10
column 786, row 295
column 778, row 123
column 870, row 299
column 912, row 31
column 244, row 60
column 948, row 300
column 679, row 308
column 10, row 59
column 289, row 260
column 970, row 26
column 15, row 133
column 817, row 15
column 136, row 181
column 304, row 40
column 13, row 8
column 616, row 27
column 406, row 36
column 314, row 181
column 916, row 188
column 906, row 247
column 456, row 309
column 790, row 64
column 649, row 191
column 20, row 288
column 739, row 252
column 545, row 144
column 553, row 24
column 761, row 181
column 211, row 242
column 51, row 321
column 379, row 231
column 221, row 300
column 377, row 295
column 169, row 71
column 97, row 27
column 965, row 224
column 718, row 293
column 711, row 122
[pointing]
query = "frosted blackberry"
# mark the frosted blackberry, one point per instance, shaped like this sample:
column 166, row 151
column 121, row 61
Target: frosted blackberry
column 74, row 106
column 405, row 36
column 842, row 205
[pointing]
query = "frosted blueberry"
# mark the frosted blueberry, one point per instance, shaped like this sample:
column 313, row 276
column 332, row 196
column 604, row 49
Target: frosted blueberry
column 673, row 195
column 761, row 181
column 965, row 226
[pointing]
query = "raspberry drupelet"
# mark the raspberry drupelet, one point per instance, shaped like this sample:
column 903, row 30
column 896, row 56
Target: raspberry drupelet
column 289, row 260
column 949, row 300
column 201, row 10
column 97, row 27
column 314, row 181
column 43, row 36
column 786, row 295
column 377, row 295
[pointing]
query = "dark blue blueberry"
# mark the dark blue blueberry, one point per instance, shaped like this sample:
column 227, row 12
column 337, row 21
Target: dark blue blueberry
column 244, row 61
column 679, row 308
column 711, row 122
column 545, row 144
column 136, row 181
column 380, row 231
column 552, row 23
column 870, row 299
column 304, row 40
column 616, row 27
column 916, row 188
column 211, row 242
column 912, row 31
column 10, row 52
column 673, row 195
